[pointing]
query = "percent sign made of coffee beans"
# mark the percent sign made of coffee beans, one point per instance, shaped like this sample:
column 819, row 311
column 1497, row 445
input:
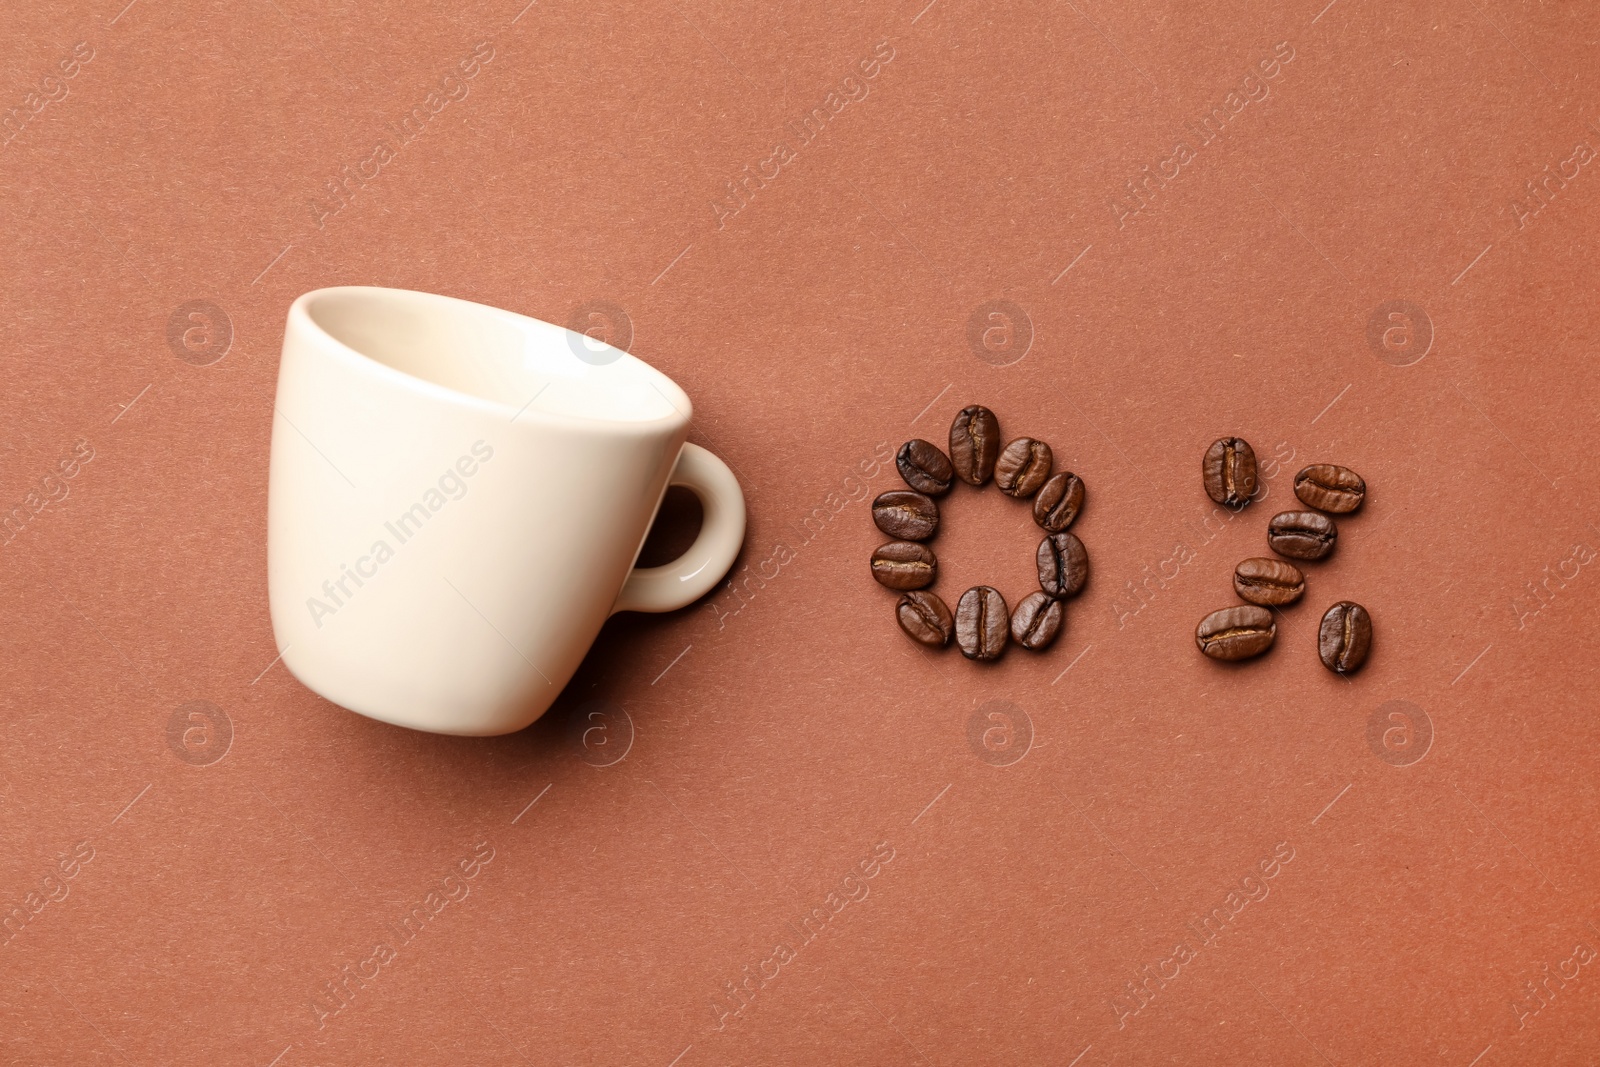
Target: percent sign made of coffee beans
column 1268, row 584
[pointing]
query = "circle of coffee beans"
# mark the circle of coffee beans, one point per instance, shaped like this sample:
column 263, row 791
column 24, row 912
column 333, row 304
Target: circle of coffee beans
column 982, row 624
column 1243, row 631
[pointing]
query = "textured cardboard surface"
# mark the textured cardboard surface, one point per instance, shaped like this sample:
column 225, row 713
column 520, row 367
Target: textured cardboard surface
column 1062, row 858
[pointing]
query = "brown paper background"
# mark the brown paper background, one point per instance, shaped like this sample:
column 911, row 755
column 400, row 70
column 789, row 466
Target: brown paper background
column 777, row 733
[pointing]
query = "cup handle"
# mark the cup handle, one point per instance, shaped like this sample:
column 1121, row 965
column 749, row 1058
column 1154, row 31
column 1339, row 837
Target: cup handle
column 692, row 575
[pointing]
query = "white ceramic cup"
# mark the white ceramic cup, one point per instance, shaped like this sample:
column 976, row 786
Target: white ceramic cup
column 456, row 500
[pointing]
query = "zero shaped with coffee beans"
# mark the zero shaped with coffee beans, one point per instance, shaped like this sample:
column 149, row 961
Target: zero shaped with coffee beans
column 981, row 623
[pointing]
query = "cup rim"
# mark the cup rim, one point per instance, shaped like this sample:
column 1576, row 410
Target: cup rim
column 300, row 316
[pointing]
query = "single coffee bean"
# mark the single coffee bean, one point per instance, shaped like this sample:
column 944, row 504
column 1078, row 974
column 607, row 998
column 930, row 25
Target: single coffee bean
column 924, row 467
column 1329, row 487
column 1023, row 467
column 1059, row 501
column 1063, row 565
column 1037, row 621
column 1302, row 534
column 1236, row 633
column 974, row 444
column 904, row 565
column 924, row 618
column 907, row 515
column 1345, row 637
column 1270, row 582
column 982, row 624
column 1229, row 471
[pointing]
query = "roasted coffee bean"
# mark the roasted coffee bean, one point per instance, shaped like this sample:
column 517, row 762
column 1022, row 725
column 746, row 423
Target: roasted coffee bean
column 904, row 565
column 1268, row 581
column 1059, row 501
column 1345, row 637
column 1063, row 565
column 1023, row 467
column 982, row 625
column 1329, row 487
column 1229, row 471
column 1236, row 633
column 1037, row 621
column 1302, row 534
column 924, row 467
column 907, row 515
column 924, row 618
column 974, row 444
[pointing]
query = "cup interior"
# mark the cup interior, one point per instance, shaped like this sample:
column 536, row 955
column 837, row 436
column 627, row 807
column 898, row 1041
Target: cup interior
column 495, row 355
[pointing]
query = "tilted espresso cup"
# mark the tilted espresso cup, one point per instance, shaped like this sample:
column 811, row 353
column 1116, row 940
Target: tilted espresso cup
column 456, row 499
